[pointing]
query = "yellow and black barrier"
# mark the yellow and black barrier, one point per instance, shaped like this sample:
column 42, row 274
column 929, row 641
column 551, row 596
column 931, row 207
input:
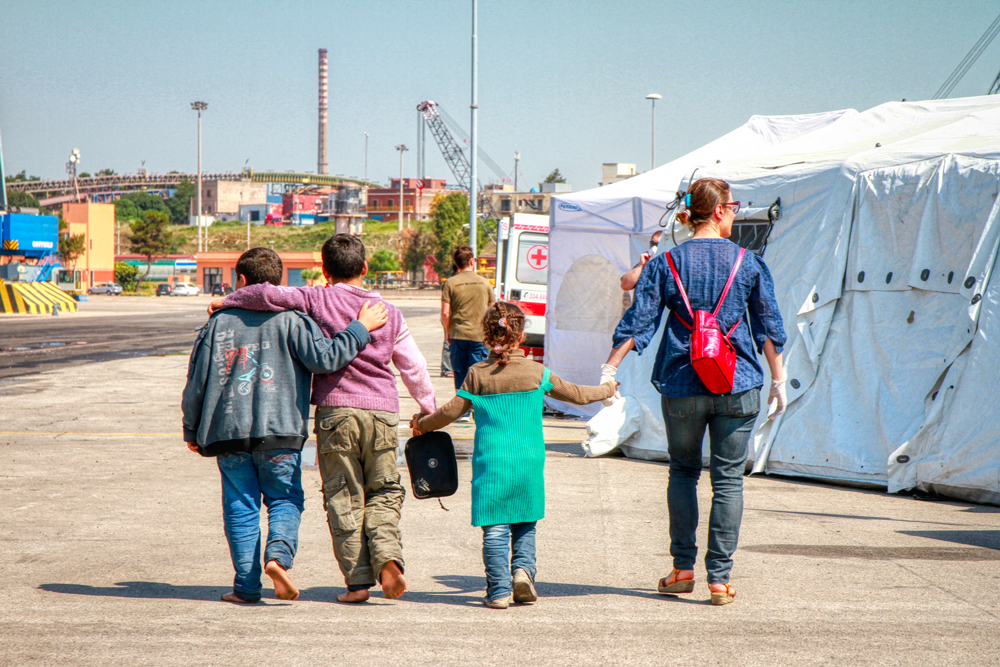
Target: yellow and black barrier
column 34, row 298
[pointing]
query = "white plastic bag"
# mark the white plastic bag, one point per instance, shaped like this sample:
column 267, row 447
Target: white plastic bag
column 612, row 426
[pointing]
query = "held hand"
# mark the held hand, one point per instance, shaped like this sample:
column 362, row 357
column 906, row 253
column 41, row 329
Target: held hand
column 216, row 305
column 777, row 394
column 373, row 317
column 644, row 259
column 608, row 375
column 193, row 447
column 413, row 425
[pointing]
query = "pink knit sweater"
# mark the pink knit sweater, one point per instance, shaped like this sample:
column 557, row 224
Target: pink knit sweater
column 367, row 382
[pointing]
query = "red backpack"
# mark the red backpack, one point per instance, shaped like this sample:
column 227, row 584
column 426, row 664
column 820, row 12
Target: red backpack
column 712, row 354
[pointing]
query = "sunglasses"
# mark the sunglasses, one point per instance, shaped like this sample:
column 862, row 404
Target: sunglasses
column 735, row 205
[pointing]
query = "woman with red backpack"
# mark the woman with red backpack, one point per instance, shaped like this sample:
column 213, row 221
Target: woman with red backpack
column 707, row 372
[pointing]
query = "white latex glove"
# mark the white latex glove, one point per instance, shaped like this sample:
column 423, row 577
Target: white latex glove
column 777, row 393
column 608, row 375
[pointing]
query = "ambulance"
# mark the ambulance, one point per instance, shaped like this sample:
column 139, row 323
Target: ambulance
column 523, row 272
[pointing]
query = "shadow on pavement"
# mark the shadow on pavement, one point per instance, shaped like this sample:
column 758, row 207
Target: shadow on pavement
column 876, row 553
column 470, row 590
column 987, row 539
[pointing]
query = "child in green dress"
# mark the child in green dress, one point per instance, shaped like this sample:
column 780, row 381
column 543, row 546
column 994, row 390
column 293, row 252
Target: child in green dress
column 508, row 483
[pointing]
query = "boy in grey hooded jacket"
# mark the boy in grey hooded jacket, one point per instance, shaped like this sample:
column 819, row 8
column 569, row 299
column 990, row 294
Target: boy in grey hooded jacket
column 247, row 403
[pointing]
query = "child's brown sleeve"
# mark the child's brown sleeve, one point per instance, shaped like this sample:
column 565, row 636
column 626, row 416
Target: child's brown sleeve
column 451, row 411
column 579, row 394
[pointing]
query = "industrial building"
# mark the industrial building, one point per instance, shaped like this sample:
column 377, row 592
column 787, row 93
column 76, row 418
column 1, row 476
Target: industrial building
column 220, row 267
column 383, row 203
column 97, row 263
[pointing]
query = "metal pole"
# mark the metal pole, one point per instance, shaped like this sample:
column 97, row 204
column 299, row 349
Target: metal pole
column 3, row 182
column 198, row 215
column 423, row 148
column 366, row 156
column 474, row 133
column 653, row 160
column 401, row 148
column 517, row 158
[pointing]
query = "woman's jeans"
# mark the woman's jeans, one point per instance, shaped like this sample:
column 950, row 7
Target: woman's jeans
column 729, row 419
column 496, row 551
column 277, row 476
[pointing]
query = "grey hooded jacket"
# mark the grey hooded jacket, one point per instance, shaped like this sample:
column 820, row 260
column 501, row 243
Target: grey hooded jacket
column 250, row 376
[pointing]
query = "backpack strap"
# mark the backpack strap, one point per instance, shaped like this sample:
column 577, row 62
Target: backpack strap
column 546, row 385
column 725, row 290
column 680, row 288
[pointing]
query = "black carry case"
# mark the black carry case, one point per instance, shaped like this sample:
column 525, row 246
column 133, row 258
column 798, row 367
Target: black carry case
column 430, row 459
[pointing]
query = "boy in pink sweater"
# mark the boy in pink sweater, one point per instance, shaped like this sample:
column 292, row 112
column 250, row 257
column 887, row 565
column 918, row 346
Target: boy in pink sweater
column 357, row 414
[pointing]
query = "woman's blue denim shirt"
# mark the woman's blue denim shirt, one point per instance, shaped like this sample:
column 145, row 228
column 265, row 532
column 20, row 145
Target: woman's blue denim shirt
column 704, row 266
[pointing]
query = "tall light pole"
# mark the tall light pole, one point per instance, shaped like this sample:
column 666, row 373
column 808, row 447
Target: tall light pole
column 474, row 133
column 401, row 148
column 653, row 97
column 74, row 159
column 366, row 156
column 517, row 158
column 199, row 107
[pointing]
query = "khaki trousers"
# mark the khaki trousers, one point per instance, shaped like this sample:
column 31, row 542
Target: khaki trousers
column 356, row 450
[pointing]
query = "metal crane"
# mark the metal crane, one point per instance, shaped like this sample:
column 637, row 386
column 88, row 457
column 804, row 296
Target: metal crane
column 458, row 162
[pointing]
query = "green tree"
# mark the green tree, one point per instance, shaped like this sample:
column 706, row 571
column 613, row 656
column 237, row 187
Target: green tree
column 126, row 275
column 24, row 199
column 83, row 174
column 132, row 205
column 151, row 236
column 71, row 247
column 448, row 215
column 382, row 260
column 105, row 172
column 417, row 244
column 553, row 177
column 17, row 178
column 180, row 203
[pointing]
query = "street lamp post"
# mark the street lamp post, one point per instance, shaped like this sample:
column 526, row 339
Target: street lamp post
column 74, row 159
column 401, row 148
column 366, row 156
column 199, row 107
column 474, row 132
column 653, row 97
column 517, row 158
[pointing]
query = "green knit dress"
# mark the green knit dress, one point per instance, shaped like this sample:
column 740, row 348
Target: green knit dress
column 508, row 462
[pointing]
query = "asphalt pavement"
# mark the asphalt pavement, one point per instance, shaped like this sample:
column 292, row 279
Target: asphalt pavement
column 112, row 547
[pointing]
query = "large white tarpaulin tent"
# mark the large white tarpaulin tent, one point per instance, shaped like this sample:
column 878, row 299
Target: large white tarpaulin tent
column 882, row 259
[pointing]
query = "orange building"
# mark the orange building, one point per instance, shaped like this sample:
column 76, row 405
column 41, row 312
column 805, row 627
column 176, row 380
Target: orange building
column 97, row 223
column 383, row 203
column 220, row 267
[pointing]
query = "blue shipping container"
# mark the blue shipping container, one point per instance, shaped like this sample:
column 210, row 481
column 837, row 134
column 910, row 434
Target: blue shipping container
column 28, row 235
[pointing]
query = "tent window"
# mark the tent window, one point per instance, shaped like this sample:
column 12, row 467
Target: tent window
column 751, row 235
column 532, row 259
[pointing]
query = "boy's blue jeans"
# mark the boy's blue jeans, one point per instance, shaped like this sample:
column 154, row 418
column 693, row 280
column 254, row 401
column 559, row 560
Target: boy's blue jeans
column 499, row 564
column 729, row 419
column 275, row 475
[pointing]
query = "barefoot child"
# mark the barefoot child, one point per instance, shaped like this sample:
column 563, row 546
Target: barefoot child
column 357, row 415
column 247, row 403
column 508, row 484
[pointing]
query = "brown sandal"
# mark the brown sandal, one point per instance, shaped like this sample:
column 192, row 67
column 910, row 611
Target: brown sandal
column 672, row 585
column 722, row 597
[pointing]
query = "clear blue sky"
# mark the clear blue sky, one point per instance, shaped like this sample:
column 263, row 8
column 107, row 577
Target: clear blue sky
column 562, row 82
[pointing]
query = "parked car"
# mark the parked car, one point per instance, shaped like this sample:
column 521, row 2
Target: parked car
column 185, row 289
column 163, row 289
column 221, row 289
column 106, row 288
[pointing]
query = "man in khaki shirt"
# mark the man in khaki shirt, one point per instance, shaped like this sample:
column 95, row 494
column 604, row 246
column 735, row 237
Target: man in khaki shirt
column 464, row 301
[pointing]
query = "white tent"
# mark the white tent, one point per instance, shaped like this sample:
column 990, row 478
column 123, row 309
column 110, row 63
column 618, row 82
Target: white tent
column 882, row 261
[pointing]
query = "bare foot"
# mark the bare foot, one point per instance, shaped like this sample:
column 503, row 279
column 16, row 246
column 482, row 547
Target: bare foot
column 393, row 583
column 284, row 589
column 232, row 597
column 354, row 597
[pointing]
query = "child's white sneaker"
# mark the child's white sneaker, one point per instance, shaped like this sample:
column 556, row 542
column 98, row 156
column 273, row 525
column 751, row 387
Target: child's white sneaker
column 524, row 587
column 499, row 603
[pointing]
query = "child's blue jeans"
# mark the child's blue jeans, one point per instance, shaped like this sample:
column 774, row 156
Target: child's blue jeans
column 500, row 566
column 275, row 475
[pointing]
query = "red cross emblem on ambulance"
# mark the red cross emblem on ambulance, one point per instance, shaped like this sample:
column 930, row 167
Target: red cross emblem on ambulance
column 538, row 257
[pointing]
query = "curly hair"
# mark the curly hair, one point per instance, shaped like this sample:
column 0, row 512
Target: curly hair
column 503, row 325
column 706, row 194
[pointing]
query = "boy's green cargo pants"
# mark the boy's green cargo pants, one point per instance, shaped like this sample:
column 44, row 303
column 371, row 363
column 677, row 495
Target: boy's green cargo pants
column 356, row 451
